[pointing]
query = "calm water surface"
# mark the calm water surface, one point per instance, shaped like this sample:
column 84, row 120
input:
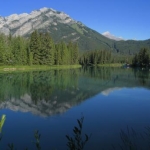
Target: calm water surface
column 110, row 99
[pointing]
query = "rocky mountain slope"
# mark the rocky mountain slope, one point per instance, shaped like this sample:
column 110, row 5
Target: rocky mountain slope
column 62, row 27
column 24, row 24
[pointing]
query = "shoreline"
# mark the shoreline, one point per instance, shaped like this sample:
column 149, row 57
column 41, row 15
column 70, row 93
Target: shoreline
column 111, row 65
column 36, row 67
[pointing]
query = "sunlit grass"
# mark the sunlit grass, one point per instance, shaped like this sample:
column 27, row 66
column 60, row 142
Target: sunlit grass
column 36, row 67
column 110, row 65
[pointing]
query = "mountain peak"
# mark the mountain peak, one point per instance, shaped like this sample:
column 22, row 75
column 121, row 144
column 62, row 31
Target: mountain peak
column 111, row 36
column 24, row 24
column 44, row 9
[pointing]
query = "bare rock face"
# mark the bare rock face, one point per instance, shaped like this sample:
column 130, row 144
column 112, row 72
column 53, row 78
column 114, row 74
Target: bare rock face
column 23, row 24
column 5, row 30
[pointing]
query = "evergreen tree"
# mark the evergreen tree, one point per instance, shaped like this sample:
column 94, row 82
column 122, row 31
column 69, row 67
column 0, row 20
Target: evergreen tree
column 75, row 53
column 64, row 53
column 70, row 50
column 143, row 57
column 8, row 54
column 47, row 49
column 58, row 59
column 2, row 49
column 35, row 47
column 135, row 60
column 19, row 50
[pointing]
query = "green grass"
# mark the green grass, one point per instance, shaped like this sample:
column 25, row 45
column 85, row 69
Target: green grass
column 110, row 65
column 76, row 27
column 35, row 67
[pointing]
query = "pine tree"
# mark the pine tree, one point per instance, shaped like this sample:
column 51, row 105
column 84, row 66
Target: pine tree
column 2, row 49
column 35, row 47
column 58, row 54
column 50, row 50
column 135, row 60
column 75, row 53
column 70, row 50
column 64, row 53
column 8, row 55
column 143, row 57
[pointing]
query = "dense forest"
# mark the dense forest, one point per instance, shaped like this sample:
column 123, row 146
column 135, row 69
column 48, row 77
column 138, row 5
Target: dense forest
column 40, row 49
column 96, row 57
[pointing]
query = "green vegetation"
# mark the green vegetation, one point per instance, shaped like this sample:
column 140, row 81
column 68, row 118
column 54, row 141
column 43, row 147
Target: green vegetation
column 130, row 47
column 103, row 58
column 77, row 28
column 39, row 49
column 142, row 59
column 76, row 142
column 95, row 57
column 106, row 58
column 25, row 68
column 91, row 40
column 111, row 65
column 2, row 121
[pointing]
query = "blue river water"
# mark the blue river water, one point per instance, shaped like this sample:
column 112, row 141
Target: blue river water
column 110, row 100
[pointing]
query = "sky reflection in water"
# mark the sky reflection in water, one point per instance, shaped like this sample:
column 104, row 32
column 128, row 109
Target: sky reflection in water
column 105, row 98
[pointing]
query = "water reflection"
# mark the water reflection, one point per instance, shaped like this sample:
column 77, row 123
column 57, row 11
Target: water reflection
column 46, row 93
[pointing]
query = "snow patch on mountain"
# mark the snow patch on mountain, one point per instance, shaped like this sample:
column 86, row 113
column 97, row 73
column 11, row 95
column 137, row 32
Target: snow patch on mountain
column 111, row 36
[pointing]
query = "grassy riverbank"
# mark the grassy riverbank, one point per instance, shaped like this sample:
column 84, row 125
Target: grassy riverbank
column 36, row 67
column 110, row 65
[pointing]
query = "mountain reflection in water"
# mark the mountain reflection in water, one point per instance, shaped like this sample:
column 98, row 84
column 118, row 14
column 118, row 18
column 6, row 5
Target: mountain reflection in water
column 46, row 93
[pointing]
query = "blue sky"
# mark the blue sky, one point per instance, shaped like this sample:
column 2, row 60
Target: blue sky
column 129, row 19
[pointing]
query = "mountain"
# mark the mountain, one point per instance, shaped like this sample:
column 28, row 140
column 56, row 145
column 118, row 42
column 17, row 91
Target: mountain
column 62, row 27
column 110, row 36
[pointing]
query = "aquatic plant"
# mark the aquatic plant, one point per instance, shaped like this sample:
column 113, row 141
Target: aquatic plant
column 76, row 142
column 37, row 136
column 2, row 121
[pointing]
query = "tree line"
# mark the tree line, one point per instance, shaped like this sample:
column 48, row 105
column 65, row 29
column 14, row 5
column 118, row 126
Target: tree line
column 38, row 49
column 103, row 57
column 142, row 59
